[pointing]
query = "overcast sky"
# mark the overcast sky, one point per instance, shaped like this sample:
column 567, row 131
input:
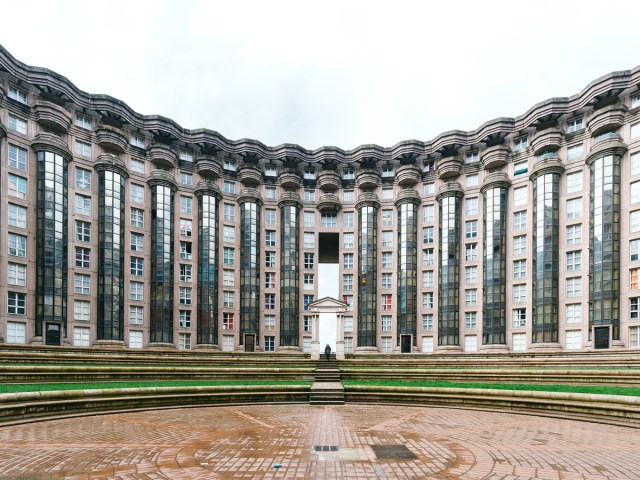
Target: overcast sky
column 339, row 73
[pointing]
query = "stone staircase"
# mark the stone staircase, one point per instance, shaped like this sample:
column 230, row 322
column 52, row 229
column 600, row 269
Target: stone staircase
column 327, row 389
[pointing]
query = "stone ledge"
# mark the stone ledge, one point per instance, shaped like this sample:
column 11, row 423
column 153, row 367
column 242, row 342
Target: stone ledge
column 16, row 408
column 609, row 409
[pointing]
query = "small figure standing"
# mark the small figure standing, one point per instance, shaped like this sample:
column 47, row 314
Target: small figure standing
column 327, row 351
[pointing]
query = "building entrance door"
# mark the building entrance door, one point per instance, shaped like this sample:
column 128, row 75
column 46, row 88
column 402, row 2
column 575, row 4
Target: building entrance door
column 405, row 343
column 601, row 337
column 249, row 343
column 52, row 335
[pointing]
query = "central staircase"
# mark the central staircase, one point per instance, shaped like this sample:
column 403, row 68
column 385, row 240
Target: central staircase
column 327, row 389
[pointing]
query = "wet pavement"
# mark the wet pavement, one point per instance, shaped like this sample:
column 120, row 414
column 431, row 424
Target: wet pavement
column 318, row 442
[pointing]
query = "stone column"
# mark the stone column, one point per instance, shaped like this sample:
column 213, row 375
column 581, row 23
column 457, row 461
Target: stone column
column 315, row 335
column 340, row 337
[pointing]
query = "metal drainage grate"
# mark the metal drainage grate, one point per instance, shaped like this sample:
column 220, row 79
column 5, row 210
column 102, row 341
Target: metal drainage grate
column 325, row 448
column 393, row 452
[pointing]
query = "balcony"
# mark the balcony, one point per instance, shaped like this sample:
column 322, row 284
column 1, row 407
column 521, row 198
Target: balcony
column 495, row 180
column 51, row 116
column 605, row 119
column 162, row 155
column 450, row 189
column 495, row 157
column 407, row 195
column 449, row 167
column 207, row 188
column 208, row 167
column 368, row 179
column 110, row 162
column 548, row 140
column 329, row 202
column 606, row 144
column 290, row 178
column 111, row 139
column 329, row 181
column 162, row 177
column 250, row 175
column 50, row 142
column 408, row 175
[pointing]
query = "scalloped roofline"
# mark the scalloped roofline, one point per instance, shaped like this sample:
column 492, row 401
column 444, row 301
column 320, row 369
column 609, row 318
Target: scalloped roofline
column 44, row 77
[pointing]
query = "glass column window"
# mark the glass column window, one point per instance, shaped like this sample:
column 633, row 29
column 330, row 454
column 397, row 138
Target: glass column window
column 111, row 258
column 208, row 267
column 407, row 276
column 250, row 247
column 604, row 244
column 448, row 308
column 367, row 272
column 290, row 207
column 162, row 275
column 494, row 308
column 51, row 260
column 546, row 256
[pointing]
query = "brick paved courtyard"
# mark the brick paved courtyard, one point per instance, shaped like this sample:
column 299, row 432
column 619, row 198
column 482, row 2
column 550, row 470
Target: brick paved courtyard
column 373, row 442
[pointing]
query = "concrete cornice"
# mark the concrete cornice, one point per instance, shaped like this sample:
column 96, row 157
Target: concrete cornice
column 610, row 85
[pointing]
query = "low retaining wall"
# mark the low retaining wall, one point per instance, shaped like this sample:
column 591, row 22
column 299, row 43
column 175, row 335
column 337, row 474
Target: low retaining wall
column 28, row 407
column 622, row 377
column 610, row 409
column 16, row 408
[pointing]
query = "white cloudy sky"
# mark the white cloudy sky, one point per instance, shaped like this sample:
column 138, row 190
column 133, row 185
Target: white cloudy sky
column 327, row 73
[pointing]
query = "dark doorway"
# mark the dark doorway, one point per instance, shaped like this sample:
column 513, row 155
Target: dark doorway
column 52, row 336
column 249, row 343
column 601, row 335
column 405, row 343
column 329, row 247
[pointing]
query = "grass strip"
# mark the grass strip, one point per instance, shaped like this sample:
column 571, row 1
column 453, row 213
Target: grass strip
column 42, row 387
column 595, row 389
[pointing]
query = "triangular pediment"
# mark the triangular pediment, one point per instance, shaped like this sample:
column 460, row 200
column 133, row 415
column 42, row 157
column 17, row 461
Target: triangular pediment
column 328, row 302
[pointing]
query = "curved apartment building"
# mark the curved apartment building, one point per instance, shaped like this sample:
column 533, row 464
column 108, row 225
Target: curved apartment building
column 120, row 229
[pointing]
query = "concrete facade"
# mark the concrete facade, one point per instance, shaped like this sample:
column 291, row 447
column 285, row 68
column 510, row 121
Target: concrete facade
column 523, row 234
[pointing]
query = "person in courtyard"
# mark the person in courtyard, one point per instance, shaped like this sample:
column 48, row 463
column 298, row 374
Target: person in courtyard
column 327, row 351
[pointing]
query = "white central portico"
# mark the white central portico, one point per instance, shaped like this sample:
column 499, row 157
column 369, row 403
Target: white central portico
column 327, row 326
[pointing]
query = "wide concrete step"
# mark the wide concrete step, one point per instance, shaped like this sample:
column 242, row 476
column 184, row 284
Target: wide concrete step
column 326, row 393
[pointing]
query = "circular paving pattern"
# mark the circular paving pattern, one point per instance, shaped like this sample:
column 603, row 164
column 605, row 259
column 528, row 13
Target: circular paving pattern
column 343, row 442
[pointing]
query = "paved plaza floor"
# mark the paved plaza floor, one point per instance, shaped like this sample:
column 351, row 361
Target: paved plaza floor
column 318, row 442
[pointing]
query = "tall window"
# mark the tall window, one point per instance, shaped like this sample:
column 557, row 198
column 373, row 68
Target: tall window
column 17, row 186
column 329, row 220
column 347, row 219
column 18, row 158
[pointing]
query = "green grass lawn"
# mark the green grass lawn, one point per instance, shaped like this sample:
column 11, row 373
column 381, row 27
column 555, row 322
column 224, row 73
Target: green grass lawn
column 43, row 387
column 595, row 389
